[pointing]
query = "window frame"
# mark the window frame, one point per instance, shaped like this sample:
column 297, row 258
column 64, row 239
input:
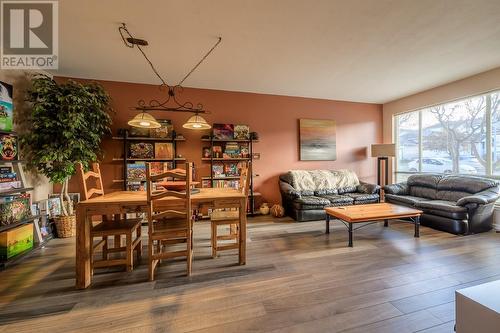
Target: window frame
column 488, row 142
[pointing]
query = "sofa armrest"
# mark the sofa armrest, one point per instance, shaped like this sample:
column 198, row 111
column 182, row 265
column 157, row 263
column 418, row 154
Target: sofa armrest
column 480, row 198
column 287, row 190
column 367, row 188
column 398, row 189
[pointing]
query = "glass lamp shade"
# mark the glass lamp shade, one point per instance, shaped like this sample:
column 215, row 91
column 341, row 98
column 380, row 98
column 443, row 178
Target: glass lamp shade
column 144, row 120
column 196, row 122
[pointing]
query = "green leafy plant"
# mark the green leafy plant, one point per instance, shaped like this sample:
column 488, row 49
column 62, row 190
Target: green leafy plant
column 65, row 125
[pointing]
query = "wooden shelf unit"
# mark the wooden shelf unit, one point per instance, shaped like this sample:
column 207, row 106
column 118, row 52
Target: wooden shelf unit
column 18, row 169
column 134, row 139
column 211, row 160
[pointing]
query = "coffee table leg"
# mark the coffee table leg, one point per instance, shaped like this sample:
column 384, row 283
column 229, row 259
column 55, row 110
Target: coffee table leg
column 417, row 225
column 350, row 234
column 386, row 223
column 327, row 223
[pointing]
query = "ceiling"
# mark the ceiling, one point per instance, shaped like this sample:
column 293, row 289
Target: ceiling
column 354, row 50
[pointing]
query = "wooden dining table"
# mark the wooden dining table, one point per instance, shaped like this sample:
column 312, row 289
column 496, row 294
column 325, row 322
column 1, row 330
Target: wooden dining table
column 123, row 202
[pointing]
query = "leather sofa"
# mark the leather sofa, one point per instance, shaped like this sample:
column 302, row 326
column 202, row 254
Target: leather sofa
column 308, row 205
column 451, row 203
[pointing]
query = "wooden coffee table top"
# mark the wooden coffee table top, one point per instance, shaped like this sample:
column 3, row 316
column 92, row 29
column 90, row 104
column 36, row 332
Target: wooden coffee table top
column 371, row 212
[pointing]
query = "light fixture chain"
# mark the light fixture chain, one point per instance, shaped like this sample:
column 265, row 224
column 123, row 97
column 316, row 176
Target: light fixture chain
column 199, row 62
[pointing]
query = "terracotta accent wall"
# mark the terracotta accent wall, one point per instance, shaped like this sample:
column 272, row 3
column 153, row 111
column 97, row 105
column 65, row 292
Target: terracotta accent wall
column 274, row 118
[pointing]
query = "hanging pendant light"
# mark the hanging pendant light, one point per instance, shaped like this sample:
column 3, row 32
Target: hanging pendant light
column 196, row 122
column 144, row 120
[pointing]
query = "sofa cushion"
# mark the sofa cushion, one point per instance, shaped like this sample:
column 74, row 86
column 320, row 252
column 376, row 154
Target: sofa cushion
column 451, row 195
column 429, row 180
column 347, row 189
column 468, row 184
column 339, row 200
column 310, row 202
column 406, row 199
column 423, row 192
column 363, row 197
column 443, row 208
column 326, row 192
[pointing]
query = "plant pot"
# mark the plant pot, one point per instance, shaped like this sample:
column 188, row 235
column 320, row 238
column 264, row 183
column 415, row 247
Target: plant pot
column 65, row 226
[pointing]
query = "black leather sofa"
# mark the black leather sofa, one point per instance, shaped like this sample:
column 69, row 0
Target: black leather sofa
column 308, row 205
column 451, row 203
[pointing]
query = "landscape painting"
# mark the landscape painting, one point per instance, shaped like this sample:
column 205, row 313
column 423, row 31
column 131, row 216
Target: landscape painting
column 317, row 140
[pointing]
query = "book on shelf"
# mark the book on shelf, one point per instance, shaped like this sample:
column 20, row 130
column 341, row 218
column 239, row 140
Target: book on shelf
column 223, row 183
column 232, row 150
column 241, row 132
column 8, row 147
column 223, row 131
column 218, row 169
column 136, row 171
column 164, row 150
column 231, row 169
column 8, row 177
column 161, row 167
column 142, row 150
column 5, row 186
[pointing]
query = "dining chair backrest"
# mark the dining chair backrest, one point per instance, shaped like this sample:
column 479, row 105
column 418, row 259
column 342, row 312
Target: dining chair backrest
column 154, row 197
column 87, row 189
column 244, row 183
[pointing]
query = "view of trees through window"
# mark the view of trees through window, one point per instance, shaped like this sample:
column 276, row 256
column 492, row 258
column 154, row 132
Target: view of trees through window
column 461, row 137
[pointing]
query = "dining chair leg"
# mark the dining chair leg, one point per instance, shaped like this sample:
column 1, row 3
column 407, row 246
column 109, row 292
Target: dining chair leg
column 91, row 256
column 151, row 266
column 189, row 249
column 130, row 253
column 214, row 239
column 139, row 245
column 105, row 248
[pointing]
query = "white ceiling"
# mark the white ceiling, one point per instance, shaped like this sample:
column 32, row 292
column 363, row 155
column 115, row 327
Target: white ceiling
column 355, row 50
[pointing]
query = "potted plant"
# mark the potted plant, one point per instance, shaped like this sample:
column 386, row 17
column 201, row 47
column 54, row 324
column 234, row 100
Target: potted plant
column 64, row 125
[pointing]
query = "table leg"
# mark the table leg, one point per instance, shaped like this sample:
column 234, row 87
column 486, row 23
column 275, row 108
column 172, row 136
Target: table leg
column 386, row 223
column 83, row 274
column 327, row 223
column 350, row 234
column 243, row 232
column 417, row 226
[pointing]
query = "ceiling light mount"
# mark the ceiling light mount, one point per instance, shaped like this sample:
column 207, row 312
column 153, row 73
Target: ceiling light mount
column 171, row 103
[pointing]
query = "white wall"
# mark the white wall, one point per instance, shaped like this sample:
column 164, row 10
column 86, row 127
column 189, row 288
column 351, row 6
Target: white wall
column 19, row 79
column 473, row 85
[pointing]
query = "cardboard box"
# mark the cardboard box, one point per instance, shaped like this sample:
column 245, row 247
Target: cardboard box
column 16, row 241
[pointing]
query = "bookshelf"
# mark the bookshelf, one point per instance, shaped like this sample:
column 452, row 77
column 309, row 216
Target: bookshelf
column 216, row 180
column 12, row 173
column 126, row 159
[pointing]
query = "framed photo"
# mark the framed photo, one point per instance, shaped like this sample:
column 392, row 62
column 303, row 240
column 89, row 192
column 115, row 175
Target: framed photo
column 317, row 140
column 8, row 147
column 54, row 206
column 164, row 150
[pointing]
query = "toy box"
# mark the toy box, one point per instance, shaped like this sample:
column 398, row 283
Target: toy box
column 16, row 241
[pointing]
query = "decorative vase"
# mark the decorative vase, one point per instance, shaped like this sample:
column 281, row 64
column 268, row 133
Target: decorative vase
column 65, row 226
column 264, row 208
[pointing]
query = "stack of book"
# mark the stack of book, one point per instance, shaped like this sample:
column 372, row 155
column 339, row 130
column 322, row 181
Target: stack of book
column 8, row 179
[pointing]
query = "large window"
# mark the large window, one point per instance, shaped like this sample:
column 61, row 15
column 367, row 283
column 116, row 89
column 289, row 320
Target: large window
column 461, row 137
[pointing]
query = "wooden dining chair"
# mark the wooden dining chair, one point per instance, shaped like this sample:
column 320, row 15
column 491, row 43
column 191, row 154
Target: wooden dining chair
column 90, row 187
column 169, row 223
column 230, row 218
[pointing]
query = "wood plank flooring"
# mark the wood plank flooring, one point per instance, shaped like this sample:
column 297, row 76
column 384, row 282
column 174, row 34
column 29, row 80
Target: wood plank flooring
column 297, row 279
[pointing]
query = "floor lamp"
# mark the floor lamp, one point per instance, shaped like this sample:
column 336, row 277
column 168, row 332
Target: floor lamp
column 382, row 152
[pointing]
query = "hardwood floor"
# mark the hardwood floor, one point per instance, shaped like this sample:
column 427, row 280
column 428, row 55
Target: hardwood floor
column 297, row 279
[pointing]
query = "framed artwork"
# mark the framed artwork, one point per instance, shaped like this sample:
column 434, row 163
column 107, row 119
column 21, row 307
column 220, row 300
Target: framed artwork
column 5, row 106
column 165, row 131
column 141, row 150
column 317, row 140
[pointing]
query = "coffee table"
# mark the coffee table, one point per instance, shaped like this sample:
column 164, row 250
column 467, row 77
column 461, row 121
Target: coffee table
column 371, row 213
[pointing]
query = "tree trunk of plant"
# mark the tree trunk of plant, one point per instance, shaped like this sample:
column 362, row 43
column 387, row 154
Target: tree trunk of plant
column 61, row 197
column 68, row 199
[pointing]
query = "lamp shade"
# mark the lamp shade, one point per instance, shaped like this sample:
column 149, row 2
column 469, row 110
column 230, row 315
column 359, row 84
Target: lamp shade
column 196, row 122
column 384, row 150
column 144, row 120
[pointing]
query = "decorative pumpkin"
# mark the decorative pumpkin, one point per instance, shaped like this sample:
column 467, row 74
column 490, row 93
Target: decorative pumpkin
column 277, row 211
column 264, row 208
